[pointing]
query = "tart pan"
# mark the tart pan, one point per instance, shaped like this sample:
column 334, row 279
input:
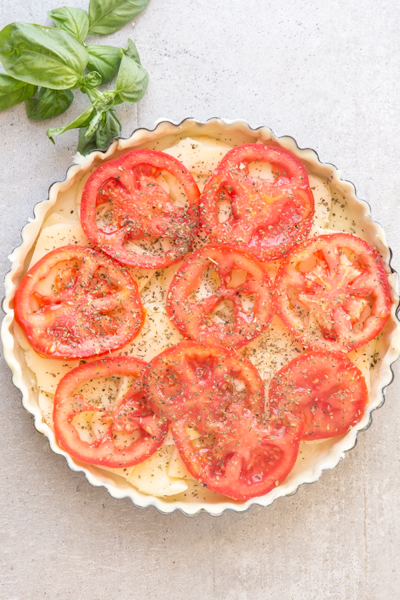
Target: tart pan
column 313, row 458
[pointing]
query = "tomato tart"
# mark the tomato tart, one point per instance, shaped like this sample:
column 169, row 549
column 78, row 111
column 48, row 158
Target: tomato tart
column 202, row 317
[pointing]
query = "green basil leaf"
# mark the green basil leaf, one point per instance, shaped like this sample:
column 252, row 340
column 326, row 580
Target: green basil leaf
column 43, row 56
column 105, row 60
column 48, row 104
column 90, row 81
column 107, row 16
column 132, row 81
column 73, row 20
column 13, row 91
column 86, row 145
column 132, row 51
column 108, row 128
column 82, row 121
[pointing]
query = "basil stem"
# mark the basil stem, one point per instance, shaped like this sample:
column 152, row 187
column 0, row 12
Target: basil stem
column 82, row 121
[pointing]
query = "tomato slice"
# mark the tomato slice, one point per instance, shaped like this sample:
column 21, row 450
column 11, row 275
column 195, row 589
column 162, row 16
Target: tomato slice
column 215, row 402
column 267, row 218
column 200, row 381
column 137, row 208
column 243, row 285
column 127, row 431
column 240, row 455
column 332, row 292
column 325, row 388
column 91, row 307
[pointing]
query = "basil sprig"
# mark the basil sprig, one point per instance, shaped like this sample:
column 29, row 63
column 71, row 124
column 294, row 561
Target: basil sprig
column 44, row 64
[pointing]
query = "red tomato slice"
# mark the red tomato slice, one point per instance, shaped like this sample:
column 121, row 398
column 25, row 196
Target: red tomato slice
column 128, row 431
column 267, row 218
column 326, row 389
column 93, row 305
column 138, row 208
column 241, row 279
column 240, row 455
column 332, row 292
column 200, row 381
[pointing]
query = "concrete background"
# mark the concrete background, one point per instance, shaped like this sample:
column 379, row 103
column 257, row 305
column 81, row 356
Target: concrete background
column 326, row 73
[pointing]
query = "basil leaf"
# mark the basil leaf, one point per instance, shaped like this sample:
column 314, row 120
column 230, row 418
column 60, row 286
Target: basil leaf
column 132, row 51
column 43, row 56
column 48, row 104
column 82, row 121
column 73, row 20
column 86, row 145
column 132, row 81
column 105, row 60
column 108, row 128
column 13, row 91
column 107, row 16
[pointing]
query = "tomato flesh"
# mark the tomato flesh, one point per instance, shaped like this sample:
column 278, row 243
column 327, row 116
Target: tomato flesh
column 240, row 455
column 267, row 218
column 326, row 389
column 140, row 208
column 93, row 306
column 332, row 293
column 199, row 380
column 193, row 317
column 215, row 402
column 129, row 415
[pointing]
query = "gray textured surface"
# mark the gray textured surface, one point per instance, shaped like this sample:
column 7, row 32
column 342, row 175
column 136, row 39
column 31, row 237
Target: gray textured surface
column 327, row 74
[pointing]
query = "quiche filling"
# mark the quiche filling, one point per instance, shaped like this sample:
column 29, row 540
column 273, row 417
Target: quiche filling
column 164, row 474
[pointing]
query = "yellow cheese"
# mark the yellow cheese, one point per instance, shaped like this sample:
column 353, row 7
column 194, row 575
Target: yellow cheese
column 48, row 371
column 176, row 467
column 200, row 156
column 151, row 476
column 46, row 404
column 156, row 335
column 57, row 235
column 322, row 200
